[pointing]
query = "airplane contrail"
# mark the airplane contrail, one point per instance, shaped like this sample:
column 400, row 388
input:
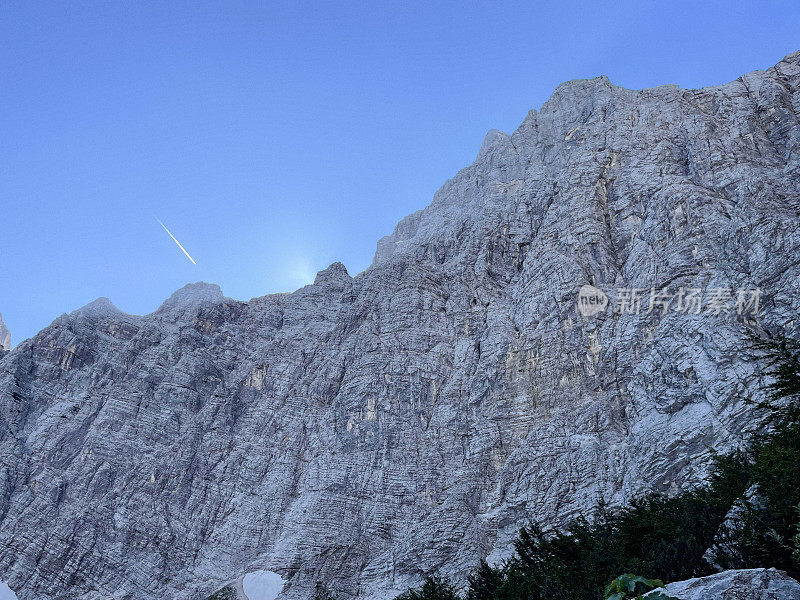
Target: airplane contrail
column 176, row 241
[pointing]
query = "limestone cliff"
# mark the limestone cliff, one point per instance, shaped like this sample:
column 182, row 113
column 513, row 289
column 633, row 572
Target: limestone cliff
column 367, row 431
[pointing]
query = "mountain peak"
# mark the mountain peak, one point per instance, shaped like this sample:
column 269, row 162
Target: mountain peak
column 194, row 294
column 5, row 336
column 336, row 272
column 493, row 139
column 99, row 307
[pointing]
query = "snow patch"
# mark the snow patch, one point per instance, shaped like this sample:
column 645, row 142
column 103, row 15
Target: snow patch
column 260, row 585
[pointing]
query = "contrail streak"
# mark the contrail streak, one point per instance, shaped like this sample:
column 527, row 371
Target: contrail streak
column 176, row 241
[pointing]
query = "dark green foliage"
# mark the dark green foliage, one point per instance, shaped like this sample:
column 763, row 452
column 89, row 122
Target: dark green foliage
column 777, row 473
column 661, row 537
column 733, row 472
column 665, row 538
column 783, row 364
column 434, row 588
column 796, row 552
column 484, row 583
column 765, row 536
column 769, row 525
column 628, row 586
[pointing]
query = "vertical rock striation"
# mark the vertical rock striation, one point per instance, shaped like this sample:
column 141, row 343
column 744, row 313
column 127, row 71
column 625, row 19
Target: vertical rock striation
column 367, row 431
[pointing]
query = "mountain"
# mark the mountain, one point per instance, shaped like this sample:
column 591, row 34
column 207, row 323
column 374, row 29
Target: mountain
column 5, row 336
column 365, row 431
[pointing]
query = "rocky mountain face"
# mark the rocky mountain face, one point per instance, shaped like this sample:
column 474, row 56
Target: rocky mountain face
column 5, row 336
column 368, row 430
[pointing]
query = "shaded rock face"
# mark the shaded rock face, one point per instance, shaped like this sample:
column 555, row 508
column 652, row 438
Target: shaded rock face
column 746, row 584
column 367, row 431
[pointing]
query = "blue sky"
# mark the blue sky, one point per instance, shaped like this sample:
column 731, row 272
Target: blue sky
column 275, row 138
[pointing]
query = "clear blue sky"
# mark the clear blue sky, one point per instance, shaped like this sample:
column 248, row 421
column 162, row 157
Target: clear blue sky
column 276, row 138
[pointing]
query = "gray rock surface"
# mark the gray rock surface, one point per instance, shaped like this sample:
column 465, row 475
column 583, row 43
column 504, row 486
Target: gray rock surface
column 724, row 550
column 5, row 336
column 745, row 584
column 367, row 431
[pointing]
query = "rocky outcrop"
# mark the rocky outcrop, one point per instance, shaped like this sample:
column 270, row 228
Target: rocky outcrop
column 746, row 584
column 5, row 336
column 724, row 550
column 366, row 431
